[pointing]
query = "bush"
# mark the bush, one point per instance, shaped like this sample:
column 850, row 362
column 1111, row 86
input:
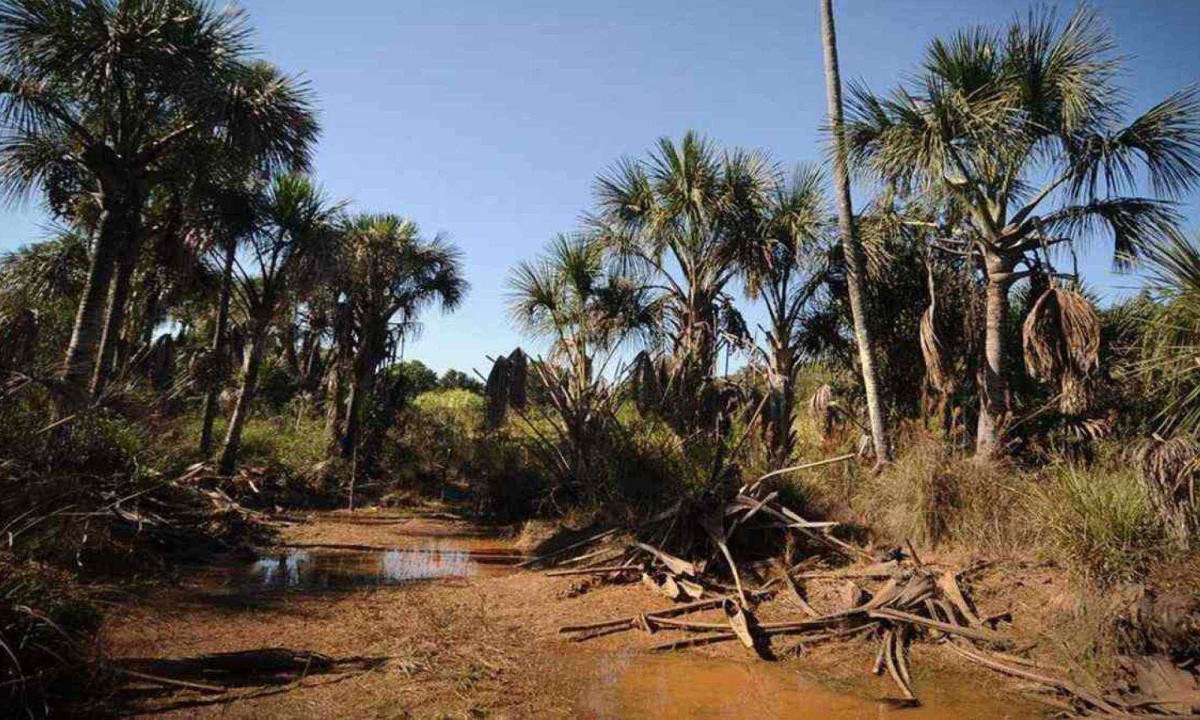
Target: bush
column 1100, row 522
column 931, row 496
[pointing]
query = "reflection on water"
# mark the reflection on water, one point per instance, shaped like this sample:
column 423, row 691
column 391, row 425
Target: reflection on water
column 302, row 568
column 268, row 568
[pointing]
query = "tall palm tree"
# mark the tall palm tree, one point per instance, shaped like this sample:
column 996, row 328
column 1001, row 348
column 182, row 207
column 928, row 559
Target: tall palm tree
column 391, row 275
column 786, row 270
column 294, row 233
column 684, row 216
column 228, row 197
column 1019, row 133
column 855, row 264
column 107, row 91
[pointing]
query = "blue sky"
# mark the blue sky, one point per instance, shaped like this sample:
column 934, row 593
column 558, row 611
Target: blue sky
column 488, row 120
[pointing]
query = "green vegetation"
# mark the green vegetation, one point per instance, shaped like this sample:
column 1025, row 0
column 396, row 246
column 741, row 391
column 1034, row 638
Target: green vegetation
column 200, row 285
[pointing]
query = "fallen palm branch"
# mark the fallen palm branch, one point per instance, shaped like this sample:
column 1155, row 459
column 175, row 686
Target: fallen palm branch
column 690, row 551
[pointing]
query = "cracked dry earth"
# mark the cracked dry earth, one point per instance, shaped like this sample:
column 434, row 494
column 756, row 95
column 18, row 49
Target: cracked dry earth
column 393, row 614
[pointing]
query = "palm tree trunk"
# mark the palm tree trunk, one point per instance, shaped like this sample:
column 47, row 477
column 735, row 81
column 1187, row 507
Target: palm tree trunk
column 853, row 250
column 233, row 436
column 114, row 318
column 85, row 335
column 994, row 401
column 334, row 407
column 362, row 383
column 213, row 391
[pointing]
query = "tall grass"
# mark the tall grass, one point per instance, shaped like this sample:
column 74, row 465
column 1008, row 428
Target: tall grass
column 1099, row 521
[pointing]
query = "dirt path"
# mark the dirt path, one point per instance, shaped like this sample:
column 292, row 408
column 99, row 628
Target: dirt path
column 419, row 616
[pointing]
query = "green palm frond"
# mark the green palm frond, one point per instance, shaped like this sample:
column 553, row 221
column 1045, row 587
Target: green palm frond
column 1171, row 342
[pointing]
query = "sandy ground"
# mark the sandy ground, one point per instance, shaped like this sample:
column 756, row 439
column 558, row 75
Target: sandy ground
column 483, row 645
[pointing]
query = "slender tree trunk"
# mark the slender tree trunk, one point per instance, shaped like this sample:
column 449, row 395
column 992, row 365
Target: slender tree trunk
column 362, row 383
column 289, row 344
column 994, row 400
column 782, row 440
column 853, row 250
column 233, row 435
column 89, row 317
column 213, row 391
column 153, row 291
column 312, row 361
column 118, row 299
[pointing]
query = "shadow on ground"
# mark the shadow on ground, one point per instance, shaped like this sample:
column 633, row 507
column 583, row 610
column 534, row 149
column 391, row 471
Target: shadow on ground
column 159, row 685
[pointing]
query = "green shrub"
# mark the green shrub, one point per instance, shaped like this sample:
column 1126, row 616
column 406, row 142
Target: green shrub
column 1100, row 521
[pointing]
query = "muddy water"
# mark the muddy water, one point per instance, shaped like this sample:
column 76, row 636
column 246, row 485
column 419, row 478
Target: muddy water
column 631, row 685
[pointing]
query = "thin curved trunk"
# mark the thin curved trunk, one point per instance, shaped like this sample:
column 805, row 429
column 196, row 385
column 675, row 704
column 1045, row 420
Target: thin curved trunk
column 233, row 436
column 853, row 250
column 89, row 317
column 213, row 392
column 994, row 400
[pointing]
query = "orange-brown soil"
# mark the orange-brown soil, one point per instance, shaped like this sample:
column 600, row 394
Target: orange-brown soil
column 483, row 643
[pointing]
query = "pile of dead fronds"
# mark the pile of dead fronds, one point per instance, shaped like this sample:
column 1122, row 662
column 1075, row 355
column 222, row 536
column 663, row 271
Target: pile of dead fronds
column 719, row 558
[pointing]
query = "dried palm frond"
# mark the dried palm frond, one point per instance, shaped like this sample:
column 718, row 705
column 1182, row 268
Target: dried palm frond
column 1062, row 341
column 1170, row 471
column 936, row 372
column 821, row 410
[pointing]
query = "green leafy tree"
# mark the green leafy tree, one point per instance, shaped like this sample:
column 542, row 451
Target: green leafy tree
column 786, row 270
column 390, row 275
column 683, row 217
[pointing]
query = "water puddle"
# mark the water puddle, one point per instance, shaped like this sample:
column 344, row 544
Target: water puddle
column 331, row 569
column 682, row 686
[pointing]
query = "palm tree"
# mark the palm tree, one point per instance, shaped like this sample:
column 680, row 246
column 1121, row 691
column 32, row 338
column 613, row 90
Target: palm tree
column 228, row 197
column 855, row 264
column 1019, row 134
column 391, row 274
column 107, row 92
column 582, row 307
column 1171, row 338
column 684, row 216
column 785, row 270
column 294, row 233
column 573, row 297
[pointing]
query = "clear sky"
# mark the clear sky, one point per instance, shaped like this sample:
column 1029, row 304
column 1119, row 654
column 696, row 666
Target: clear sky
column 489, row 119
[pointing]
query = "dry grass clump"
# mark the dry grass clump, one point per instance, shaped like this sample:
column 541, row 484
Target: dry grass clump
column 931, row 496
column 48, row 652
